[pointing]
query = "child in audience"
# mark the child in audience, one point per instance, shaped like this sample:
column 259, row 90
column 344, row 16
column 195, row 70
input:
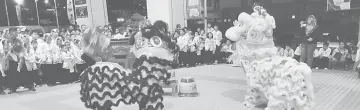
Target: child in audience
column 322, row 58
column 198, row 46
column 192, row 55
column 201, row 47
column 226, row 50
column 182, row 42
column 280, row 50
column 297, row 54
column 209, row 49
column 288, row 52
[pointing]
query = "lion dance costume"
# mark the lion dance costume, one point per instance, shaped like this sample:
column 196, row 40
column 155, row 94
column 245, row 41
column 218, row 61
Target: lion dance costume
column 107, row 84
column 280, row 82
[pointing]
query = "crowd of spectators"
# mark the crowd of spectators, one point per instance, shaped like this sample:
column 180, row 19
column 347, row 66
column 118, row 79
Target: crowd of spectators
column 344, row 57
column 201, row 47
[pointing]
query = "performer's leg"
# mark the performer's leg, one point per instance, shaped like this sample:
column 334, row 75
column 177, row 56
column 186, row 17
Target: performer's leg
column 51, row 72
column 310, row 50
column 303, row 56
column 2, row 83
column 218, row 54
column 65, row 77
column 186, row 58
column 13, row 76
column 27, row 78
column 180, row 58
column 45, row 74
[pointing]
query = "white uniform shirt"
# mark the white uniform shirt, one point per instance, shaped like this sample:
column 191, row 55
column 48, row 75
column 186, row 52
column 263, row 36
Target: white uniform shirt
column 217, row 36
column 324, row 53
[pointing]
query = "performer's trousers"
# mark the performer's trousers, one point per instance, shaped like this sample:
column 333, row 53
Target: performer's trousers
column 50, row 72
column 192, row 58
column 80, row 68
column 218, row 54
column 2, row 82
column 15, row 78
column 203, row 59
column 224, row 56
column 183, row 58
column 64, row 76
column 307, row 51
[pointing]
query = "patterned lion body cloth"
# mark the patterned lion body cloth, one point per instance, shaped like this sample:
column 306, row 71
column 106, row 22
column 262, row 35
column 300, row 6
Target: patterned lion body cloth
column 106, row 84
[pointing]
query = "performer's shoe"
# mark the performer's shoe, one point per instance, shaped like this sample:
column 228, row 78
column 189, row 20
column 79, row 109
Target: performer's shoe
column 32, row 89
column 2, row 92
column 11, row 91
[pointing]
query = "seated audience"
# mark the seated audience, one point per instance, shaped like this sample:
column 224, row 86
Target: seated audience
column 280, row 50
column 338, row 57
column 288, row 52
column 226, row 51
column 297, row 54
column 322, row 58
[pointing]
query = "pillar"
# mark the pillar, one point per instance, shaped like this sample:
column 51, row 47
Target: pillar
column 91, row 13
column 169, row 11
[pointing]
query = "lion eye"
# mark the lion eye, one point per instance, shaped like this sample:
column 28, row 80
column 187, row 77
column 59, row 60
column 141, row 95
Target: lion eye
column 156, row 41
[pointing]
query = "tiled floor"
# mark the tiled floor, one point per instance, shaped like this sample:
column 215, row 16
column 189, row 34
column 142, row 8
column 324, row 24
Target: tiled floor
column 221, row 87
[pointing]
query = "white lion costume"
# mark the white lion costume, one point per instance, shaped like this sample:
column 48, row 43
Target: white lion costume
column 280, row 82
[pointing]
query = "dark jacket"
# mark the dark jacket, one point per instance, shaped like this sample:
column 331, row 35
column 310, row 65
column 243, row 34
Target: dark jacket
column 316, row 35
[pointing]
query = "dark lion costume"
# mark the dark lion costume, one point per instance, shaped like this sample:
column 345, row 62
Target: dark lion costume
column 107, row 84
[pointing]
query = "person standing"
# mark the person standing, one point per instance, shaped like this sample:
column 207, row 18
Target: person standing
column 311, row 35
column 2, row 64
column 29, row 68
column 182, row 42
column 14, row 49
column 217, row 37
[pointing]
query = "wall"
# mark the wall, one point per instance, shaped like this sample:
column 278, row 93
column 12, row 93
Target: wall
column 159, row 10
column 178, row 13
column 230, row 3
column 97, row 13
column 169, row 11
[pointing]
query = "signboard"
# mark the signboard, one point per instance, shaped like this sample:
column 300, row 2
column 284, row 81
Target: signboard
column 336, row 5
column 79, row 2
column 81, row 12
column 194, row 9
column 70, row 11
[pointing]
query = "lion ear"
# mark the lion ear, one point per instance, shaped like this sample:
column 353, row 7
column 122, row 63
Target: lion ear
column 233, row 33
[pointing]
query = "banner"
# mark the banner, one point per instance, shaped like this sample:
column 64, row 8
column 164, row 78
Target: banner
column 194, row 9
column 80, row 2
column 70, row 11
column 18, row 14
column 336, row 5
column 81, row 12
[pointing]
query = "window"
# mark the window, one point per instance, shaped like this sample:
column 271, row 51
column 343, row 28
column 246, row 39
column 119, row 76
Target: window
column 209, row 3
column 29, row 11
column 3, row 18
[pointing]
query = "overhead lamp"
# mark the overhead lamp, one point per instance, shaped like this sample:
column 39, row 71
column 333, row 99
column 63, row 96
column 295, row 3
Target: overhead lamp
column 19, row 2
column 293, row 16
